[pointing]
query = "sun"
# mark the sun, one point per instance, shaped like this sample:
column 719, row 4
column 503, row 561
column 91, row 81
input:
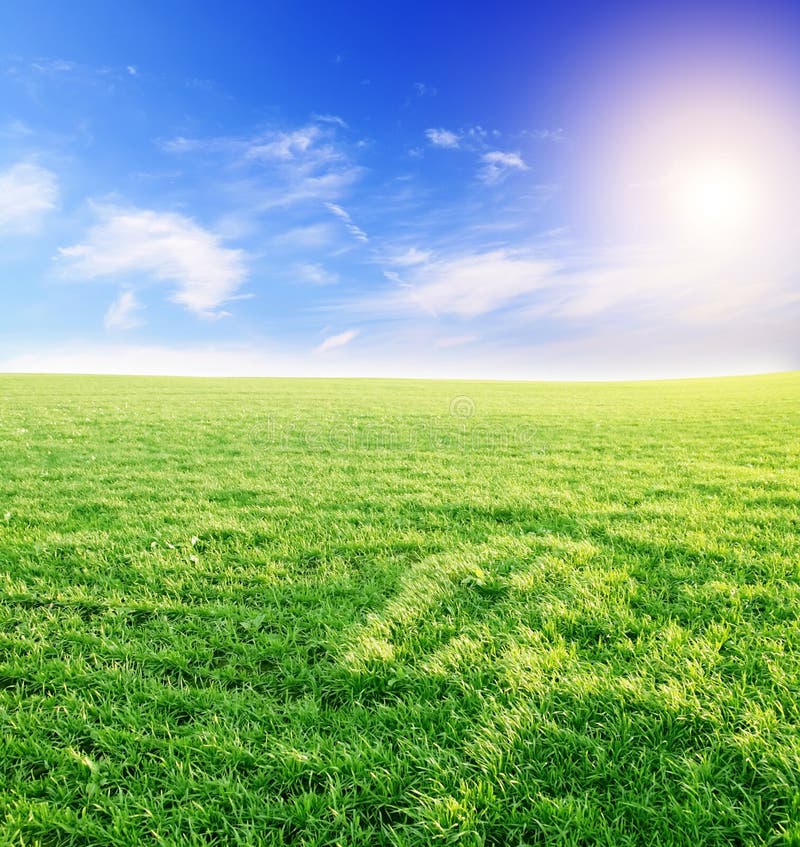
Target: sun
column 713, row 197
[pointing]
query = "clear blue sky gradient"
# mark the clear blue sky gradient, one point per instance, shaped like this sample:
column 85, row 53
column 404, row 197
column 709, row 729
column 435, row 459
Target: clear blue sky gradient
column 371, row 188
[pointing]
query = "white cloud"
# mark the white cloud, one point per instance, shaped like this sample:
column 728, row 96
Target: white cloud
column 338, row 211
column 180, row 144
column 302, row 187
column 627, row 286
column 343, row 215
column 310, row 237
column 301, row 165
column 442, row 138
column 316, row 274
column 478, row 134
column 412, row 256
column 497, row 165
column 164, row 246
column 466, row 286
column 681, row 289
column 132, row 70
column 121, row 313
column 27, row 193
column 305, row 164
column 288, row 145
column 455, row 341
column 335, row 341
column 54, row 66
column 330, row 119
column 554, row 135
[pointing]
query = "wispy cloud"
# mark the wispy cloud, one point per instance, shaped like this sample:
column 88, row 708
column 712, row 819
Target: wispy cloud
column 286, row 146
column 330, row 119
column 475, row 138
column 54, row 66
column 422, row 89
column 554, row 135
column 680, row 288
column 335, row 341
column 181, row 144
column 443, row 138
column 315, row 274
column 343, row 215
column 78, row 73
column 15, row 129
column 165, row 246
column 628, row 286
column 311, row 237
column 497, row 165
column 412, row 256
column 27, row 193
column 455, row 341
column 280, row 168
column 121, row 313
column 464, row 286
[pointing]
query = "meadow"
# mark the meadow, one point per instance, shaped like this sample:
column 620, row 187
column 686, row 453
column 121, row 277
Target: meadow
column 357, row 612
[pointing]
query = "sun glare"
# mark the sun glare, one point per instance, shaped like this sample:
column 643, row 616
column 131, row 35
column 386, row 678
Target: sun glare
column 712, row 173
column 713, row 197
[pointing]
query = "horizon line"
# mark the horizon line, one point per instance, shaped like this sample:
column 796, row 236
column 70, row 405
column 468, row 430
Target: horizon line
column 343, row 378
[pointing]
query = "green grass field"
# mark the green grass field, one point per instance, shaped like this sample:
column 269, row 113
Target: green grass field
column 352, row 612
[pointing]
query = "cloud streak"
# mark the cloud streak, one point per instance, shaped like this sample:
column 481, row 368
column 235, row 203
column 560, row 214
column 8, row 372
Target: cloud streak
column 315, row 274
column 301, row 165
column 333, row 342
column 121, row 313
column 343, row 215
column 465, row 286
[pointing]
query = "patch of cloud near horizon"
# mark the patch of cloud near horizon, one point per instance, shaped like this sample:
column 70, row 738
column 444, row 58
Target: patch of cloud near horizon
column 465, row 286
column 335, row 341
column 121, row 313
column 27, row 193
column 455, row 341
column 166, row 247
column 636, row 287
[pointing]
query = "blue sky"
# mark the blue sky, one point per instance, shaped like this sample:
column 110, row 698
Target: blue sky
column 536, row 190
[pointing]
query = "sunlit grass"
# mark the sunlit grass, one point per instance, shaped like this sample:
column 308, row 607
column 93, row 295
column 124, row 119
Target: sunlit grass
column 399, row 613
